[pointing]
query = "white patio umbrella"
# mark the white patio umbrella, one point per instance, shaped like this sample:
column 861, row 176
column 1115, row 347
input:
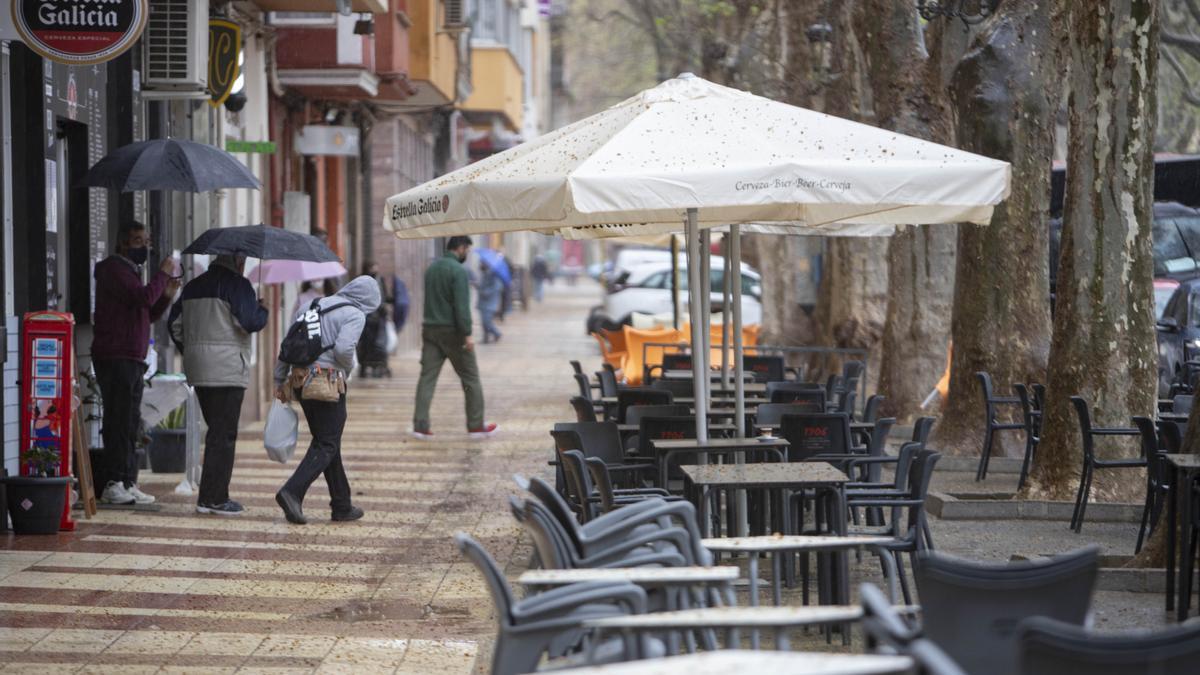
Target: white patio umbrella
column 689, row 154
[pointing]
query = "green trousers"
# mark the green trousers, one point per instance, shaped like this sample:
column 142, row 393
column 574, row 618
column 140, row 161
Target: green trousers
column 439, row 343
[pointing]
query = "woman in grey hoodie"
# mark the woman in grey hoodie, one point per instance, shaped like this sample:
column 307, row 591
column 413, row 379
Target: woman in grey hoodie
column 340, row 328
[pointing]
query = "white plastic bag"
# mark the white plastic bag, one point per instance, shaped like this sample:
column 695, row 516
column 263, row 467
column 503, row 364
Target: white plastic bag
column 393, row 340
column 281, row 431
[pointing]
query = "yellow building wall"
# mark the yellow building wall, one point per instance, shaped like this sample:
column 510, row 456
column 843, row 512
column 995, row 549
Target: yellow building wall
column 496, row 85
column 432, row 53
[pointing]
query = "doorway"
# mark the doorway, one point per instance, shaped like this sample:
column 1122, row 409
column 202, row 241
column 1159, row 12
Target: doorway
column 68, row 263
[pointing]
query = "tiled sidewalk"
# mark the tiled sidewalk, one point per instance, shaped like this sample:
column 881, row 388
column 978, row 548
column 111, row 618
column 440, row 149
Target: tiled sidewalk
column 171, row 591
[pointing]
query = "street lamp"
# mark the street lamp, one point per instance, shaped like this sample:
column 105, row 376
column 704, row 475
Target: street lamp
column 957, row 9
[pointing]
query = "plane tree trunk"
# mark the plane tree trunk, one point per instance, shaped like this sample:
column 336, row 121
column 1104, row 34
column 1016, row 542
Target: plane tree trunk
column 1006, row 91
column 1102, row 345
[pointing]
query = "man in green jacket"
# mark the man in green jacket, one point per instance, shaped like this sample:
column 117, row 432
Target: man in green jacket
column 446, row 334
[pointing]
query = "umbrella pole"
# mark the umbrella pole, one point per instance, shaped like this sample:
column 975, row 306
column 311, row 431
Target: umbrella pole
column 725, row 323
column 706, row 308
column 675, row 281
column 699, row 376
column 734, row 255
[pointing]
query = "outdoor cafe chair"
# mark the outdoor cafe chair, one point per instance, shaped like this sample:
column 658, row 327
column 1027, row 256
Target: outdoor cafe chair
column 802, row 393
column 816, row 433
column 878, row 489
column 602, row 481
column 640, row 396
column 1031, row 418
column 660, row 427
column 1157, row 479
column 907, row 523
column 971, row 609
column 771, row 414
column 871, row 407
column 550, row 623
column 585, row 410
column 1091, row 462
column 593, row 499
column 991, row 406
column 1182, row 404
column 1049, row 647
column 608, row 382
column 764, row 368
column 887, row 632
column 681, row 388
column 603, row 440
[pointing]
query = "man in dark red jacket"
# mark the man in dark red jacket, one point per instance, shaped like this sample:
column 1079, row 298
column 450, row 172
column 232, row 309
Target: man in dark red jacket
column 125, row 308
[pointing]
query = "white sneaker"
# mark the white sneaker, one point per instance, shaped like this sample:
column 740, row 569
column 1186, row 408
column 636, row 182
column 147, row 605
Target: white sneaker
column 115, row 493
column 139, row 496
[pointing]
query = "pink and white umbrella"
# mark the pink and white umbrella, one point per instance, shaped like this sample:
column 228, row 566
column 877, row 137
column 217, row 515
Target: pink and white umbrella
column 283, row 271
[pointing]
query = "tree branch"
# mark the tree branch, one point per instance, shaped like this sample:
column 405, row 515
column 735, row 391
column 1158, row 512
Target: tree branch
column 1189, row 94
column 1189, row 45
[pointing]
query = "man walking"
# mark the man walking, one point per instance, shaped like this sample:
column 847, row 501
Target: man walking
column 446, row 334
column 125, row 308
column 211, row 324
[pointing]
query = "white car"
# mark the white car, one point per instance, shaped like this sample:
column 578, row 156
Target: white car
column 646, row 289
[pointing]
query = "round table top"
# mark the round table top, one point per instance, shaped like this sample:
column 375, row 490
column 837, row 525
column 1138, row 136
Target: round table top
column 728, row 661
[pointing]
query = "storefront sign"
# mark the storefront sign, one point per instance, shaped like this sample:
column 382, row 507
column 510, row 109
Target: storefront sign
column 79, row 31
column 224, row 48
column 260, row 147
column 318, row 139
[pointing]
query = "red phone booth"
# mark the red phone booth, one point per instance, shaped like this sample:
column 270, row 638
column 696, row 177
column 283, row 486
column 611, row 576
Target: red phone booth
column 47, row 386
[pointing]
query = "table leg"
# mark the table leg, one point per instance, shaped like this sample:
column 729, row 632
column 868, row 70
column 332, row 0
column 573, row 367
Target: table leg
column 889, row 565
column 1172, row 535
column 1185, row 582
column 753, row 570
column 777, row 576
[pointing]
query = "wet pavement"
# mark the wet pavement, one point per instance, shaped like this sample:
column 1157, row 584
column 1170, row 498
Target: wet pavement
column 172, row 591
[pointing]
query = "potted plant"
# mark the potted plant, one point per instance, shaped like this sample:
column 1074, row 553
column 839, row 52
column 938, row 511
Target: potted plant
column 36, row 501
column 168, row 443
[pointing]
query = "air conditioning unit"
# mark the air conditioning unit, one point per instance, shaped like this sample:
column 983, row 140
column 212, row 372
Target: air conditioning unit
column 175, row 49
column 456, row 14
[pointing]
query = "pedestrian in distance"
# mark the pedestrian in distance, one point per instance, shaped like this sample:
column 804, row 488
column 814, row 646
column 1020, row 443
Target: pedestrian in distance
column 125, row 308
column 321, row 390
column 490, row 295
column 540, row 272
column 446, row 335
column 211, row 325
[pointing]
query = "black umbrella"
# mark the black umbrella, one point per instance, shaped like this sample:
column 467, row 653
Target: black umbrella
column 262, row 242
column 170, row 164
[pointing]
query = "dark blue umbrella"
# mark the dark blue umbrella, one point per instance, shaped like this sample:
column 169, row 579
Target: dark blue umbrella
column 263, row 242
column 170, row 164
column 496, row 262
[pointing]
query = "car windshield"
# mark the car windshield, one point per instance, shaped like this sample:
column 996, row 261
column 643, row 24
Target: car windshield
column 1168, row 244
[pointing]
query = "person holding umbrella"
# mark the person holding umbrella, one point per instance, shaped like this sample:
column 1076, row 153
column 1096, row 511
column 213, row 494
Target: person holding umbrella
column 125, row 308
column 211, row 325
column 491, row 291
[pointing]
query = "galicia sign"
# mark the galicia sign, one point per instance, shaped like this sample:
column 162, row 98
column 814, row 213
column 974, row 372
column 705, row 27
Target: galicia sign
column 79, row 32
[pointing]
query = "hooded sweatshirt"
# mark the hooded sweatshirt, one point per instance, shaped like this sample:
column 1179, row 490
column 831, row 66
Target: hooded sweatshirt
column 342, row 326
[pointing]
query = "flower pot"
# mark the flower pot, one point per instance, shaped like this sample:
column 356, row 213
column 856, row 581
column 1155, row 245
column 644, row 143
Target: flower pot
column 168, row 450
column 35, row 504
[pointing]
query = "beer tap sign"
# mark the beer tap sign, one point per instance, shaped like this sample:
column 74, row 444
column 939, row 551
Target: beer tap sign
column 79, row 32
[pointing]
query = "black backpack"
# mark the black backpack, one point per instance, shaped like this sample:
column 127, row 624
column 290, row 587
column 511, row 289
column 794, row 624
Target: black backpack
column 302, row 345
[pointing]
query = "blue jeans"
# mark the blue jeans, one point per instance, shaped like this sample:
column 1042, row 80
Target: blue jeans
column 487, row 313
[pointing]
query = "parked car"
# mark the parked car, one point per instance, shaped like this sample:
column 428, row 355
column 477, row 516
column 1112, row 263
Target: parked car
column 646, row 289
column 1178, row 333
column 1163, row 290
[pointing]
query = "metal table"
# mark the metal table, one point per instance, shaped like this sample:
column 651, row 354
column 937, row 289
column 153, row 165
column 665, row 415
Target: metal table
column 728, row 661
column 666, row 449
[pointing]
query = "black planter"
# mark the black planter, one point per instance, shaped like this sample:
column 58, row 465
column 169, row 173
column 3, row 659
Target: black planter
column 168, row 450
column 35, row 504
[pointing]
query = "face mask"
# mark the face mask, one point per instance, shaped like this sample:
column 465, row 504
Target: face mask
column 139, row 255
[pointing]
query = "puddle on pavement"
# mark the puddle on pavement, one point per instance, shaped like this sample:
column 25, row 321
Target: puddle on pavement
column 358, row 611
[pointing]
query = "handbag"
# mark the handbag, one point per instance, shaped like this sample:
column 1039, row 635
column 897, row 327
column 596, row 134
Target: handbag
column 323, row 384
column 281, row 432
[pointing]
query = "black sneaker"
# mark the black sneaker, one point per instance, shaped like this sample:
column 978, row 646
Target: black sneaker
column 352, row 513
column 229, row 508
column 291, row 508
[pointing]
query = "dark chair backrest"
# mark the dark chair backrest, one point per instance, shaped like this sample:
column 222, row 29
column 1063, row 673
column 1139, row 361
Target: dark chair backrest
column 640, row 396
column 595, row 439
column 603, row 482
column 580, row 481
column 1172, row 437
column 813, row 400
column 871, row 407
column 972, row 609
column 1157, row 469
column 608, row 382
column 549, row 540
column 585, row 410
column 1049, row 647
column 772, row 413
column 1039, row 395
column 677, row 362
column 1027, row 408
column 811, row 434
column 1182, row 404
column 833, row 384
column 577, row 367
column 920, row 475
column 852, row 370
column 921, row 429
column 558, row 509
column 635, row 413
column 585, row 387
column 497, row 585
column 879, row 436
column 683, row 388
column 655, row 428
column 764, row 368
